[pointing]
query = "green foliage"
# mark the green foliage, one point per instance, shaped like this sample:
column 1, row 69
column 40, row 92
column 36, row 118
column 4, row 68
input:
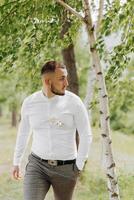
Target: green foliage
column 30, row 35
column 119, row 18
column 121, row 100
column 121, row 106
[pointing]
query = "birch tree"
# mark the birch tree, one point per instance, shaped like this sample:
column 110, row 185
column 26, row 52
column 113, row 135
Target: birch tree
column 103, row 98
column 91, row 77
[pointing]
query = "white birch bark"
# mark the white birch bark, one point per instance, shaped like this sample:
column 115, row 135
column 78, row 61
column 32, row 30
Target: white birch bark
column 90, row 90
column 103, row 100
column 100, row 16
column 91, row 75
column 104, row 110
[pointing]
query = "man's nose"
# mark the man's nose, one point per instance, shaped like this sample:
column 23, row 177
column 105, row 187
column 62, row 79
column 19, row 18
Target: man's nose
column 66, row 82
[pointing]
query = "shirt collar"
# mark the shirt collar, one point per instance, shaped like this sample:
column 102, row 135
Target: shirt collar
column 46, row 98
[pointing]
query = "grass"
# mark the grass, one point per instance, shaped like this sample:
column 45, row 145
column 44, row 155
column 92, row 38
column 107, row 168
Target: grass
column 92, row 184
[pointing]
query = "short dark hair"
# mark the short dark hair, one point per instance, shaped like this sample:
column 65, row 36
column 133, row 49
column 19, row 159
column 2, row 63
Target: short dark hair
column 50, row 66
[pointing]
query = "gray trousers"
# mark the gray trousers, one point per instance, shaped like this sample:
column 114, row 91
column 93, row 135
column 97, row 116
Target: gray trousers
column 39, row 176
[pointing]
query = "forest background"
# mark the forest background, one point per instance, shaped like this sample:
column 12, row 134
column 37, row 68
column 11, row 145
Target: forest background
column 33, row 32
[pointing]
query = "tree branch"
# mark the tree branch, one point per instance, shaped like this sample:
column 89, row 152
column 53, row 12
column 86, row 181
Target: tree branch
column 88, row 17
column 100, row 16
column 69, row 8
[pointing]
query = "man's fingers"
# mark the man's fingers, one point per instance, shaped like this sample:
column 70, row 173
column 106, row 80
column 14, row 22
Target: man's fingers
column 16, row 173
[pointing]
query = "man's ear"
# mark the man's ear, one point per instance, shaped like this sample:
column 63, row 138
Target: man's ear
column 47, row 82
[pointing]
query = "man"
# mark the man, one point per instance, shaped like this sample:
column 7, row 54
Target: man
column 53, row 114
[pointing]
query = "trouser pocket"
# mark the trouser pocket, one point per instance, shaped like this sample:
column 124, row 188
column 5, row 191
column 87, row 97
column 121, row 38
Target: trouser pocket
column 75, row 169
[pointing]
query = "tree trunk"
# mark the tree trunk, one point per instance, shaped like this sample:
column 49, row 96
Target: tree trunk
column 104, row 110
column 89, row 93
column 0, row 111
column 69, row 55
column 91, row 78
column 14, row 115
column 14, row 118
column 100, row 16
column 103, row 100
column 69, row 60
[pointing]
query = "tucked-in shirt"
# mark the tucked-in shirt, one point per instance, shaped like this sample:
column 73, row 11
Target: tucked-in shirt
column 53, row 122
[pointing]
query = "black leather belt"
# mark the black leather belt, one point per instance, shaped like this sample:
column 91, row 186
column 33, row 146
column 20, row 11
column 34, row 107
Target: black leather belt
column 54, row 162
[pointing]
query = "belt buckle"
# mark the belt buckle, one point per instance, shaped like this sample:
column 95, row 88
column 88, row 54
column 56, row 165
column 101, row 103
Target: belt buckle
column 52, row 162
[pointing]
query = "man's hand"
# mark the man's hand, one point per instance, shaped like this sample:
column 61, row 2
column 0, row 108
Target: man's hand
column 16, row 172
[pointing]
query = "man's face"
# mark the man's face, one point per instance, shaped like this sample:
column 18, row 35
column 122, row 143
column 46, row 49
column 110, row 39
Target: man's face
column 59, row 81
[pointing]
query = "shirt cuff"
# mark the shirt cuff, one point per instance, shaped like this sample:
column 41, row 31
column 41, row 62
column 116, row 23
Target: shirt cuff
column 80, row 165
column 16, row 162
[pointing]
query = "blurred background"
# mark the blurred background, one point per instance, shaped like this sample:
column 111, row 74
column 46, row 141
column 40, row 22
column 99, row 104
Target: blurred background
column 33, row 32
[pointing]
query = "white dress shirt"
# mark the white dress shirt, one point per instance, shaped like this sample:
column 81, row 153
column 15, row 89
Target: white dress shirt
column 53, row 122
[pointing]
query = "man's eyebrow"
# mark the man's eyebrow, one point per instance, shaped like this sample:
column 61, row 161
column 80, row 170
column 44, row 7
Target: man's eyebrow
column 62, row 76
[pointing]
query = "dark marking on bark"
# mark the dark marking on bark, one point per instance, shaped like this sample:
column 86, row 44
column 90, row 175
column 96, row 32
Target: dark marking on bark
column 104, row 96
column 110, row 141
column 107, row 117
column 86, row 19
column 115, row 183
column 104, row 135
column 101, row 112
column 114, row 194
column 99, row 73
column 109, row 190
column 92, row 29
column 92, row 49
column 111, row 177
column 112, row 165
column 99, row 88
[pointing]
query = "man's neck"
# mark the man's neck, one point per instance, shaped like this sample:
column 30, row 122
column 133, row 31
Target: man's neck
column 47, row 93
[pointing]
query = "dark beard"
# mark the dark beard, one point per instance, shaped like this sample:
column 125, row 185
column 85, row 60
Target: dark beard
column 54, row 91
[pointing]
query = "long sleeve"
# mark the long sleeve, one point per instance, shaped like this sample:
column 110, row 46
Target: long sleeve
column 22, row 135
column 85, row 134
